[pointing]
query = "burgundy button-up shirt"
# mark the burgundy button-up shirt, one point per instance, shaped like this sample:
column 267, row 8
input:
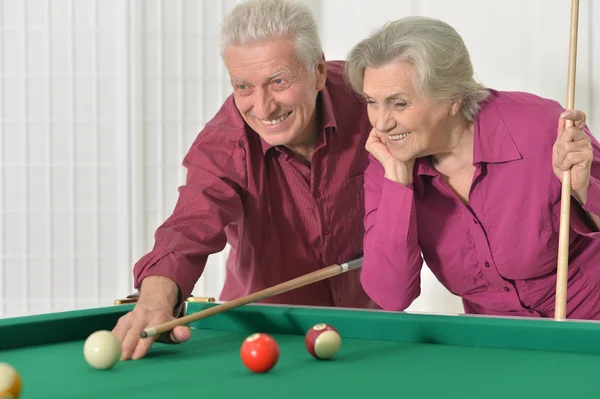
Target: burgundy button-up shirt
column 500, row 256
column 282, row 218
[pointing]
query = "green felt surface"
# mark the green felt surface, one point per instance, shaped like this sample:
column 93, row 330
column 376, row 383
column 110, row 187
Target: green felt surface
column 382, row 355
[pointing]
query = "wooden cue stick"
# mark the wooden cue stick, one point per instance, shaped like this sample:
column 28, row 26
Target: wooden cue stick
column 565, row 206
column 289, row 285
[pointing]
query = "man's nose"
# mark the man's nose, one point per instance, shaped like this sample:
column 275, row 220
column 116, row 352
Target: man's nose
column 264, row 105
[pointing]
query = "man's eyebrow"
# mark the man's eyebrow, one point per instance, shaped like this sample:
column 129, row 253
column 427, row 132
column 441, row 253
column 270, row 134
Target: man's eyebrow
column 276, row 74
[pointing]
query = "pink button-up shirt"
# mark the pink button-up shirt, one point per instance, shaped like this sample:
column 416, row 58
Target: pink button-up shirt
column 500, row 255
column 281, row 217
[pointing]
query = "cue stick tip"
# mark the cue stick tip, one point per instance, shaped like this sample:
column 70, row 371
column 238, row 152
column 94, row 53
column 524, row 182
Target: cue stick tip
column 148, row 332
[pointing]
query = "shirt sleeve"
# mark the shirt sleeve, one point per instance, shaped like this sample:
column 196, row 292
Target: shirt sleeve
column 210, row 199
column 392, row 258
column 581, row 222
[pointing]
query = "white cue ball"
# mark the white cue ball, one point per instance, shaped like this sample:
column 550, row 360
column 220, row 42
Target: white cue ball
column 102, row 350
column 10, row 382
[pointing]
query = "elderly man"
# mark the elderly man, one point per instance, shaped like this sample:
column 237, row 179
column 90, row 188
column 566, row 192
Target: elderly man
column 277, row 173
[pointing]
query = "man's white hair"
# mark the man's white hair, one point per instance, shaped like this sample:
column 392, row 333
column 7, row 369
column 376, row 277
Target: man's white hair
column 263, row 20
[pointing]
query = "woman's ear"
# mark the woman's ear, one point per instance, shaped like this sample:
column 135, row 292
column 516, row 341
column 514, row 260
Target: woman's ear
column 455, row 106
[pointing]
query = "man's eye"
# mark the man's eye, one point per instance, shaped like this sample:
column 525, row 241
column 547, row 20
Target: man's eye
column 279, row 84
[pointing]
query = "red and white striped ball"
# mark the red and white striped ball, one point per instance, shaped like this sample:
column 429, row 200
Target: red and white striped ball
column 323, row 341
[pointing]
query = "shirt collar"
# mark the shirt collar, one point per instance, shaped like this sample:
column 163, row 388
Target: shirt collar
column 492, row 142
column 325, row 107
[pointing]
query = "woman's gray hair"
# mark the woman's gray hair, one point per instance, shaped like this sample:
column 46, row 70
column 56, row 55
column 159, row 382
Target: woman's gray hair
column 260, row 20
column 443, row 65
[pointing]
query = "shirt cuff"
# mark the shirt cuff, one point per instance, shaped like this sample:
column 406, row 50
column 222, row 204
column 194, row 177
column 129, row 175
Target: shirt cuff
column 394, row 212
column 592, row 204
column 171, row 266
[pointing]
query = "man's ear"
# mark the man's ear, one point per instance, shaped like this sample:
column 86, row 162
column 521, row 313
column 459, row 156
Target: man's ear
column 321, row 72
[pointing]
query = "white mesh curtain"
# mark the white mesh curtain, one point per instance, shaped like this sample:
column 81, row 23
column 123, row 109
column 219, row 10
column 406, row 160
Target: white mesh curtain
column 99, row 101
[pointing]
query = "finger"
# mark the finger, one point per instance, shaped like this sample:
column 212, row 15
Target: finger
column 573, row 134
column 562, row 123
column 573, row 159
column 578, row 135
column 578, row 117
column 131, row 341
column 565, row 148
column 562, row 149
column 181, row 334
column 167, row 338
column 176, row 336
column 142, row 345
column 120, row 329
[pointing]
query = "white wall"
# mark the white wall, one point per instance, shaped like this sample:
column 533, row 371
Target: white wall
column 100, row 99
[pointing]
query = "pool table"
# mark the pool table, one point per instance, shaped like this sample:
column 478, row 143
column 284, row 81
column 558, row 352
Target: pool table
column 383, row 355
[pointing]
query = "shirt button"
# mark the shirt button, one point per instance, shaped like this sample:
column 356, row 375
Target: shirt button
column 317, row 195
column 487, row 264
column 326, row 232
column 506, row 289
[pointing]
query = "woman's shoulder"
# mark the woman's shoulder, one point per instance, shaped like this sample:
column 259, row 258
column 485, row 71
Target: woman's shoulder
column 521, row 103
column 522, row 111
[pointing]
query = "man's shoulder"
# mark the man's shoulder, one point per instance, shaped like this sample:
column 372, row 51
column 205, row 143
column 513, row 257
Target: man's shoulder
column 346, row 103
column 336, row 82
column 227, row 125
column 227, row 118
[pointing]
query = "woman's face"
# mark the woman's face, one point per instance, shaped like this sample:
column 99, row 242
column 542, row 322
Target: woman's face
column 410, row 124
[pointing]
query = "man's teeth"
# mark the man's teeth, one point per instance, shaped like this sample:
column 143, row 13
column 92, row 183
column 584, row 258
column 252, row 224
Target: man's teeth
column 275, row 121
column 398, row 136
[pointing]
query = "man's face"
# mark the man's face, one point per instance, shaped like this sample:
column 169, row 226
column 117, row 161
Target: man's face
column 274, row 92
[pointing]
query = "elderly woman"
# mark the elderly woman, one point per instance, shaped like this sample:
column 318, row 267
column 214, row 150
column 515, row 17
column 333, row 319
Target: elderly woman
column 468, row 179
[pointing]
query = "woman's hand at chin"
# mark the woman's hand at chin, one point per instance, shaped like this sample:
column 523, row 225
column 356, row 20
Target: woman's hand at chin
column 395, row 170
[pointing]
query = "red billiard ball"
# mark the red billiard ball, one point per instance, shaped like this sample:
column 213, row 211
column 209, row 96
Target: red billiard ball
column 259, row 352
column 323, row 341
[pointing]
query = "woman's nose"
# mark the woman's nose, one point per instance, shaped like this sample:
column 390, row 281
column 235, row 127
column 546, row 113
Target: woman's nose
column 384, row 122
